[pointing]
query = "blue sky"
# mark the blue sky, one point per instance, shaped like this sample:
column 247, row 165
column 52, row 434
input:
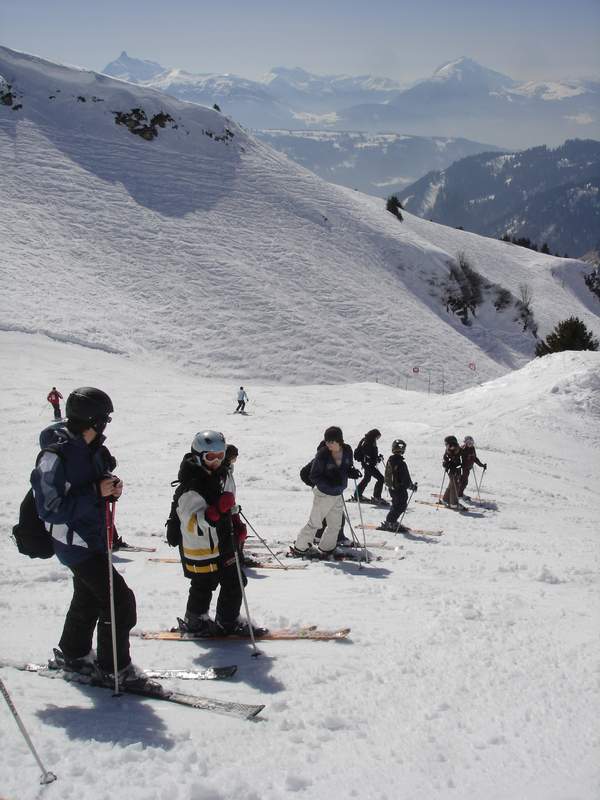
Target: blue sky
column 529, row 39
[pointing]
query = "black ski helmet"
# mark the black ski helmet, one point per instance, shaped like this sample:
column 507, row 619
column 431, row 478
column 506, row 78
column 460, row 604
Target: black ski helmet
column 451, row 440
column 208, row 441
column 399, row 446
column 88, row 404
column 334, row 434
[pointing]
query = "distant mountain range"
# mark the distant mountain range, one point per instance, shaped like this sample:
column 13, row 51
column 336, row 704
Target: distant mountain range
column 375, row 163
column 545, row 195
column 462, row 99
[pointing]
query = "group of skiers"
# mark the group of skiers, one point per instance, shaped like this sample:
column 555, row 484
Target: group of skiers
column 458, row 461
column 74, row 488
column 333, row 465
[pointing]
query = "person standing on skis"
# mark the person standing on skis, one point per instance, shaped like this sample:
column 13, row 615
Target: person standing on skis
column 54, row 398
column 368, row 455
column 242, row 399
column 468, row 458
column 331, row 467
column 201, row 525
column 452, row 464
column 398, row 481
column 72, row 483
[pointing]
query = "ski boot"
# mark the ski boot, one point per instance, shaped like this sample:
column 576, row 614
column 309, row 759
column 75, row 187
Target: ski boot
column 86, row 665
column 198, row 624
column 132, row 679
column 239, row 627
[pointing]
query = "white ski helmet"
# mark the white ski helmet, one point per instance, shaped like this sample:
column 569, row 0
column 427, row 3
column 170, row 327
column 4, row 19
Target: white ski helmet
column 469, row 441
column 208, row 442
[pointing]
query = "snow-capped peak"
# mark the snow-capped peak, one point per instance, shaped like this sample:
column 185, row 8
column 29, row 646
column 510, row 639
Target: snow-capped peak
column 469, row 72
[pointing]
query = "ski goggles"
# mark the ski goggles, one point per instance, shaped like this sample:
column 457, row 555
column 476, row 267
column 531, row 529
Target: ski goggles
column 210, row 456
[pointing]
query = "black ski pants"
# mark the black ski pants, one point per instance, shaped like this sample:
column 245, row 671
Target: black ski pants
column 399, row 503
column 56, row 407
column 241, row 405
column 229, row 602
column 453, row 492
column 90, row 606
column 371, row 472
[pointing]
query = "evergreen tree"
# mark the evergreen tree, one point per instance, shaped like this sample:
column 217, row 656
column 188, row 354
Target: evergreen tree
column 394, row 206
column 570, row 334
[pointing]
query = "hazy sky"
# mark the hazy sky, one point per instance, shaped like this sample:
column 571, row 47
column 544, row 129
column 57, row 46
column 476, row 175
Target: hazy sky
column 527, row 39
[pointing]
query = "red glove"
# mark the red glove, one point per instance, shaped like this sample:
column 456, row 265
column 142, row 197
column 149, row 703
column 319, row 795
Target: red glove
column 239, row 529
column 226, row 502
column 212, row 515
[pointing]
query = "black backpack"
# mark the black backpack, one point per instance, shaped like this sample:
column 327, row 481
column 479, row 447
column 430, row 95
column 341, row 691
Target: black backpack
column 359, row 452
column 31, row 536
column 173, row 523
column 305, row 473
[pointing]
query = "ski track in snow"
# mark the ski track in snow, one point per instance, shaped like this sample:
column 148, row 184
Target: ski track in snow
column 471, row 670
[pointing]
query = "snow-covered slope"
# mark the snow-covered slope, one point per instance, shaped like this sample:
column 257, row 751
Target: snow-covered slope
column 471, row 670
column 224, row 256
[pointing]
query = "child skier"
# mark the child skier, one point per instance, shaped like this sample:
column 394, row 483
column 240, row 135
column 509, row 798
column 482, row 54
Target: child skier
column 329, row 473
column 468, row 458
column 201, row 525
column 452, row 464
column 368, row 455
column 398, row 481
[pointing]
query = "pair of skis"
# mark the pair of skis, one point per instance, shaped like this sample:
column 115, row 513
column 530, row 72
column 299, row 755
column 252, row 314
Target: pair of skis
column 412, row 531
column 243, row 710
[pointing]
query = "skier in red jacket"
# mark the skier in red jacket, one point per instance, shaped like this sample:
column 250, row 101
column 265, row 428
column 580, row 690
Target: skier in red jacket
column 468, row 458
column 54, row 398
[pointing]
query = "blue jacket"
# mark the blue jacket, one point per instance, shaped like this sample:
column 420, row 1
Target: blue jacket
column 325, row 473
column 65, row 489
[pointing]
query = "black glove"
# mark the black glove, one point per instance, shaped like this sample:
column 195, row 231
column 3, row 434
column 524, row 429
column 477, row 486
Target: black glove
column 485, row 466
column 354, row 473
column 414, row 487
column 380, row 458
column 173, row 531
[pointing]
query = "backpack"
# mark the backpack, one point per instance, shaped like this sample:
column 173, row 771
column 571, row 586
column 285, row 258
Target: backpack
column 31, row 536
column 305, row 473
column 359, row 452
column 173, row 523
column 389, row 474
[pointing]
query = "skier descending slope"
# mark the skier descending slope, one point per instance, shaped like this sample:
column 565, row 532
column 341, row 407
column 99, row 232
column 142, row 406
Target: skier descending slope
column 72, row 482
column 242, row 399
column 398, row 481
column 54, row 398
column 201, row 524
column 331, row 468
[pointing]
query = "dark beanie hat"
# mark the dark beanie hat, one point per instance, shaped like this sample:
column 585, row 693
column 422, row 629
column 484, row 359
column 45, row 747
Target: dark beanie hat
column 334, row 434
column 451, row 440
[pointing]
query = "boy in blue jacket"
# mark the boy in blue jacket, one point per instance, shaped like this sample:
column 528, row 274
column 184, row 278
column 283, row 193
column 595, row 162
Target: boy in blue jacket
column 72, row 483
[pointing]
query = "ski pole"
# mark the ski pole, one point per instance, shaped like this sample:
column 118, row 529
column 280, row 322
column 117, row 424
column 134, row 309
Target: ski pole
column 441, row 488
column 476, row 484
column 361, row 520
column 110, row 522
column 256, row 652
column 47, row 777
column 259, row 537
column 482, row 477
column 404, row 512
column 352, row 531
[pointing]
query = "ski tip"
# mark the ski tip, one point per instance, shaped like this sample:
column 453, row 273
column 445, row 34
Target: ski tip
column 254, row 712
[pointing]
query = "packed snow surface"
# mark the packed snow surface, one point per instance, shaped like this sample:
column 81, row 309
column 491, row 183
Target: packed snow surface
column 472, row 667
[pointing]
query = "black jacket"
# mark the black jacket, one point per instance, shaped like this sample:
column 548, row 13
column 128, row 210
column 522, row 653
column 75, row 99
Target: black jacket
column 397, row 475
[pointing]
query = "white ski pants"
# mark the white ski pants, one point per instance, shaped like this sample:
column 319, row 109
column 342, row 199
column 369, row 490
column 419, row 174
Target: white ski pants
column 328, row 507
